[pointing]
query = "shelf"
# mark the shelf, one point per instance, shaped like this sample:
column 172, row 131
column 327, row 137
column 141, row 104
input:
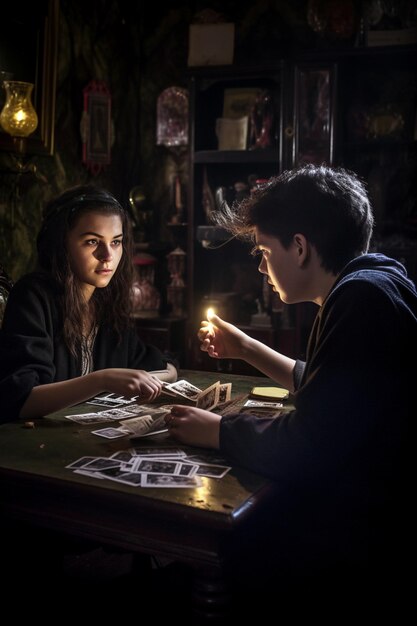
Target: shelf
column 236, row 72
column 379, row 144
column 362, row 53
column 325, row 102
column 236, row 156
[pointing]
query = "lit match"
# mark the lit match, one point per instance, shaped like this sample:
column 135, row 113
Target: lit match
column 210, row 313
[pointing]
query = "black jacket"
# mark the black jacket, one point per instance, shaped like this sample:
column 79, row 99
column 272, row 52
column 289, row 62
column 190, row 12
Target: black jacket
column 32, row 350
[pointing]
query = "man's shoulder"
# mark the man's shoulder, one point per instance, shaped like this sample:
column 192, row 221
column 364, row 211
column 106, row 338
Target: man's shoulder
column 376, row 271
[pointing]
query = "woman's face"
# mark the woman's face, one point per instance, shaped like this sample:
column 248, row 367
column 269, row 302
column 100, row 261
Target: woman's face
column 95, row 248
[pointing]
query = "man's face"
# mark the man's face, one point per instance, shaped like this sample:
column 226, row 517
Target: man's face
column 282, row 266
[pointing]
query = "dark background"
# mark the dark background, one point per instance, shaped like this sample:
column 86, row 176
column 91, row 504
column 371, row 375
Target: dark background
column 139, row 49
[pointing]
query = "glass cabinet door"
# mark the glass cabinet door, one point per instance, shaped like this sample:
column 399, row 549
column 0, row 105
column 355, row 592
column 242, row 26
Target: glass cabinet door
column 314, row 98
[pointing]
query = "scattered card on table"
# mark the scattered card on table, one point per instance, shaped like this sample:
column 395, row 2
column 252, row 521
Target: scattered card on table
column 156, row 480
column 101, row 463
column 109, row 433
column 153, row 466
column 81, row 462
column 88, row 418
column 129, row 478
column 212, row 471
column 165, row 452
column 111, row 400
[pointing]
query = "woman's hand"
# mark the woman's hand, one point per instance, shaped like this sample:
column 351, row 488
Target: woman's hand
column 194, row 427
column 45, row 399
column 221, row 340
column 129, row 383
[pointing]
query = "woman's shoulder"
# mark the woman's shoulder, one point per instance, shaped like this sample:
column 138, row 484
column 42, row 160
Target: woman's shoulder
column 31, row 300
column 34, row 284
column 35, row 279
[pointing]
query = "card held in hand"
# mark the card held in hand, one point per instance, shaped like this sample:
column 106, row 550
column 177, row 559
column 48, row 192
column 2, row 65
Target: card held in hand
column 209, row 398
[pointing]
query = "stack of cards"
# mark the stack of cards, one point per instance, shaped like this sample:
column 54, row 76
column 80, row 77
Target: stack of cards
column 152, row 467
column 142, row 421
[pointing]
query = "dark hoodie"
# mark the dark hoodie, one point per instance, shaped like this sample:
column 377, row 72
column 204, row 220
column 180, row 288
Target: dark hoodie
column 342, row 452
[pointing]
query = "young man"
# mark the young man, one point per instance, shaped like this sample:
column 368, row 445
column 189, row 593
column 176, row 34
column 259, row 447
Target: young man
column 340, row 454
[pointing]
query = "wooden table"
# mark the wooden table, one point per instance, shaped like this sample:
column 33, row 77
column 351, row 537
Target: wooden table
column 195, row 526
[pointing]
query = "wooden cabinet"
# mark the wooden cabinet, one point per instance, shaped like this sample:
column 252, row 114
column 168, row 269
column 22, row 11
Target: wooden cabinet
column 376, row 136
column 352, row 107
column 221, row 271
column 223, row 274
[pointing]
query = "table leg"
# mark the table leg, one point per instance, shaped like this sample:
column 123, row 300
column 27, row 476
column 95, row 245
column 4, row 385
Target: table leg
column 211, row 598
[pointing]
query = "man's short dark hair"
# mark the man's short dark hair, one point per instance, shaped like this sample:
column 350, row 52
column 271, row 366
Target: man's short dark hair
column 329, row 206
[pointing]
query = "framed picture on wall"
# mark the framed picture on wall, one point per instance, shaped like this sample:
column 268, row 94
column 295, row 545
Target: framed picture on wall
column 96, row 126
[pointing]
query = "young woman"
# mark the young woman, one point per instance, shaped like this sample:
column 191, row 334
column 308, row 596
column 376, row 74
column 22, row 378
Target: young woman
column 66, row 333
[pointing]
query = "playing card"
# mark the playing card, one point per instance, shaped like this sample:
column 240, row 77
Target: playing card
column 259, row 404
column 156, row 480
column 101, row 463
column 262, row 412
column 109, row 433
column 183, row 388
column 128, row 478
column 156, row 452
column 124, row 456
column 209, row 398
column 144, row 425
column 212, row 471
column 115, row 414
column 89, row 418
column 187, row 469
column 225, row 392
column 111, row 400
column 81, row 462
column 154, row 466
